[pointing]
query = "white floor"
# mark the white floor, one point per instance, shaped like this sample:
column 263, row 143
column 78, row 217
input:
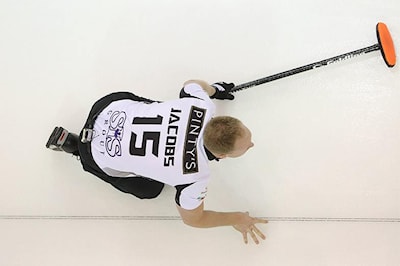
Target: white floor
column 325, row 168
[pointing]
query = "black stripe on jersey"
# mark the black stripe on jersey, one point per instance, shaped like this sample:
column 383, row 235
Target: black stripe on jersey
column 183, row 94
column 179, row 189
column 102, row 103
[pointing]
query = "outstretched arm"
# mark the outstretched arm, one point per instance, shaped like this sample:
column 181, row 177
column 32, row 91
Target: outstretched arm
column 218, row 90
column 241, row 221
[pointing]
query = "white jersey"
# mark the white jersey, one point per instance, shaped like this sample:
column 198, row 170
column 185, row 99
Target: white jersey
column 162, row 141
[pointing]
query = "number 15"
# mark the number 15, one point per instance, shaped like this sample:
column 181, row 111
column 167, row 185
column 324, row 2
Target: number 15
column 153, row 136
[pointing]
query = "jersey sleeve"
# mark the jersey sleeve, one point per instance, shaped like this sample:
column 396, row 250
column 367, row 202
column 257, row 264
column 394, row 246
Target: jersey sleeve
column 194, row 90
column 190, row 196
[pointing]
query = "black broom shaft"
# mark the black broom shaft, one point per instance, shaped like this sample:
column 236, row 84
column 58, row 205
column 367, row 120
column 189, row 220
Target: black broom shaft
column 318, row 64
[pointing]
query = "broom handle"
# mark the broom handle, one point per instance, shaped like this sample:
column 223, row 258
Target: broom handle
column 294, row 71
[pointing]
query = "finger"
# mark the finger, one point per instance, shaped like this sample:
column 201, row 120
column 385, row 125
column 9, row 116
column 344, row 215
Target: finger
column 255, row 239
column 245, row 238
column 260, row 221
column 259, row 233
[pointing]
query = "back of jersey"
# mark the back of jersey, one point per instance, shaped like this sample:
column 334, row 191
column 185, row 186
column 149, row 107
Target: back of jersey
column 162, row 141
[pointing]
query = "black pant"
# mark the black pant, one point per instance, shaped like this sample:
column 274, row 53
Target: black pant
column 141, row 187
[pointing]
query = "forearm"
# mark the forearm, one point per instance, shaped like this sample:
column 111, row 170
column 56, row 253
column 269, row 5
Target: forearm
column 206, row 87
column 214, row 219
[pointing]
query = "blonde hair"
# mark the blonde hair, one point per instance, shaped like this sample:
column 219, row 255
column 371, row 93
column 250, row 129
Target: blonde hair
column 221, row 133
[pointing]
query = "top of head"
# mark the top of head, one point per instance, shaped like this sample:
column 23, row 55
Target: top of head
column 386, row 44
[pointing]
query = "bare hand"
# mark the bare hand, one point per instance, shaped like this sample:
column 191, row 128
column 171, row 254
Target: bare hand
column 247, row 226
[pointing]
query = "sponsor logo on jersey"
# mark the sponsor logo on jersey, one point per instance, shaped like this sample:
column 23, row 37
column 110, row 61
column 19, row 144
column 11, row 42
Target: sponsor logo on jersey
column 114, row 133
column 202, row 195
column 194, row 126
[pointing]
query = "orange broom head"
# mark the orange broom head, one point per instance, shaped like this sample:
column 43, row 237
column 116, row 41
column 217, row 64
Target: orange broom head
column 386, row 44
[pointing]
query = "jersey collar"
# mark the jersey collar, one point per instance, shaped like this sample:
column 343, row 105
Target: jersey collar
column 210, row 156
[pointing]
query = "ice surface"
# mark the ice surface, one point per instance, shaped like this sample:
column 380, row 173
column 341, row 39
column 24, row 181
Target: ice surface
column 325, row 165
